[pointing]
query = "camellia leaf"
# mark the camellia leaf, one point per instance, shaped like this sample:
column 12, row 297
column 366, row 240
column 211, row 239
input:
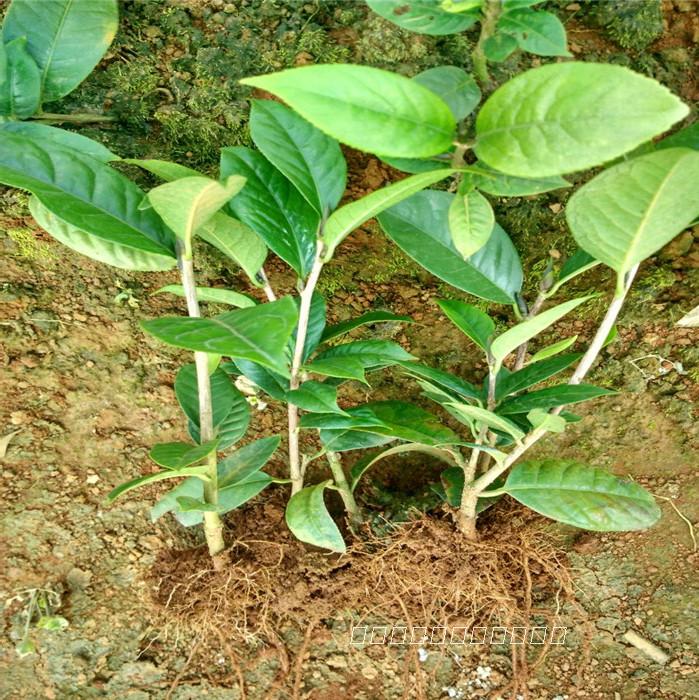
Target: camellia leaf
column 542, row 419
column 83, row 193
column 273, row 384
column 366, row 108
column 471, row 221
column 369, row 318
column 212, row 295
column 164, row 169
column 447, row 382
column 627, row 213
column 187, row 504
column 259, row 334
column 340, row 367
column 177, row 455
column 453, row 482
column 346, row 440
column 552, row 396
column 315, row 397
column 684, row 138
column 541, row 33
column 308, row 518
column 533, row 373
column 455, row 86
column 482, row 416
column 67, row 38
column 553, row 349
column 370, row 353
column 491, row 181
column 473, row 322
column 511, row 339
column 315, row 326
column 272, row 207
column 600, row 111
column 311, row 160
column 246, row 460
column 423, row 16
column 420, row 227
column 499, row 47
column 586, row 497
column 20, row 91
column 354, row 214
column 199, row 472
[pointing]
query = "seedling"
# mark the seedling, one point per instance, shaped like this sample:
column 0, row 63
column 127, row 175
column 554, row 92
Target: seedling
column 39, row 606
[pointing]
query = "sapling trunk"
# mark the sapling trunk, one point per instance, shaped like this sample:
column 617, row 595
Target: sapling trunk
column 489, row 21
column 353, row 510
column 72, row 118
column 213, row 526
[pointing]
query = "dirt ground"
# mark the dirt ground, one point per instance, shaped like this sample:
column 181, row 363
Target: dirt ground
column 86, row 395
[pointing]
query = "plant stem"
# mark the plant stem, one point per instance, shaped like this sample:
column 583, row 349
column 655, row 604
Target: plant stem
column 213, row 526
column 353, row 510
column 491, row 13
column 266, row 286
column 295, row 469
column 72, row 118
column 471, row 493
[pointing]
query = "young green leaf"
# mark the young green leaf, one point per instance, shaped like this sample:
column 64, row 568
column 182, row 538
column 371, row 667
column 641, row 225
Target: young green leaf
column 199, row 472
column 164, row 169
column 455, row 86
column 552, row 396
column 482, row 416
column 444, row 380
column 369, row 318
column 366, row 108
column 423, row 16
column 599, row 112
column 540, row 418
column 309, row 520
column 20, row 91
column 476, row 324
column 471, row 221
column 340, row 367
column 246, row 460
column 315, row 397
column 586, row 497
column 553, row 349
column 499, row 47
column 541, row 33
column 483, row 178
column 352, row 215
column 311, row 160
column 259, row 334
column 420, row 227
column 533, row 373
column 67, row 38
column 627, row 213
column 272, row 207
column 212, row 295
column 177, row 455
column 511, row 339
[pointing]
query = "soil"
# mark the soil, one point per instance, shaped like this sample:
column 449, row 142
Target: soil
column 86, row 395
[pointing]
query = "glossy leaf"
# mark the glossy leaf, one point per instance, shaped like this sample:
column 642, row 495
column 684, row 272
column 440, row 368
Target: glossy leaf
column 415, row 165
column 541, row 33
column 628, row 212
column 352, row 215
column 511, row 339
column 422, row 16
column 20, row 91
column 67, row 38
column 270, row 382
column 366, row 108
column 542, row 419
column 212, row 295
column 553, row 349
column 370, row 353
column 684, row 138
column 312, row 161
column 152, row 478
column 259, row 334
column 471, row 221
column 471, row 321
column 369, row 318
column 177, row 455
column 272, row 207
column 483, row 417
column 501, row 185
column 308, row 518
column 455, row 86
column 246, row 460
column 586, row 497
column 164, row 169
column 552, row 396
column 346, row 440
column 315, row 397
column 419, row 226
column 341, row 367
column 533, row 373
column 599, row 112
column 446, row 381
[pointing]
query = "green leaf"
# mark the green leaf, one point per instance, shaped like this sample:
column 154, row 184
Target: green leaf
column 369, row 318
column 511, row 339
column 67, row 38
column 586, row 497
column 415, row 165
column 164, row 169
column 366, row 108
column 540, row 418
column 471, row 221
column 315, row 327
column 352, row 215
column 237, row 241
column 554, row 349
column 311, row 160
column 482, row 416
column 84, row 193
column 422, row 16
column 199, row 472
column 241, row 492
column 309, row 520
column 533, row 373
column 627, row 213
column 259, row 334
column 499, row 47
column 246, row 460
column 20, row 91
column 272, row 207
column 483, row 178
column 212, row 295
column 599, row 112
column 552, row 396
column 541, row 33
column 273, row 384
column 684, row 138
column 575, row 265
column 187, row 504
column 346, row 440
column 455, row 385
column 453, row 481
column 127, row 257
column 395, row 419
column 455, row 86
column 60, row 137
column 53, row 623
column 471, row 321
column 185, row 205
column 370, row 353
column 177, row 455
column 340, row 367
column 315, row 397
column 420, row 227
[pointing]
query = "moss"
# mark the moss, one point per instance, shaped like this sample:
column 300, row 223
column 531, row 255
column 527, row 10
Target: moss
column 633, row 24
column 29, row 247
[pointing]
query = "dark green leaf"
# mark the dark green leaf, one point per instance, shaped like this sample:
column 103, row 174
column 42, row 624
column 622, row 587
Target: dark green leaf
column 341, row 367
column 246, row 460
column 533, row 374
column 684, row 138
column 491, row 181
column 455, row 86
column 423, row 16
column 316, row 324
column 448, row 382
column 20, row 91
column 415, row 165
column 213, row 295
column 552, row 396
column 346, row 440
column 370, row 353
column 309, row 520
column 453, row 483
column 152, row 478
column 315, row 397
column 187, row 504
column 176, row 455
column 369, row 318
column 499, row 47
column 541, row 33
column 223, row 393
column 270, row 382
column 476, row 324
column 240, row 492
